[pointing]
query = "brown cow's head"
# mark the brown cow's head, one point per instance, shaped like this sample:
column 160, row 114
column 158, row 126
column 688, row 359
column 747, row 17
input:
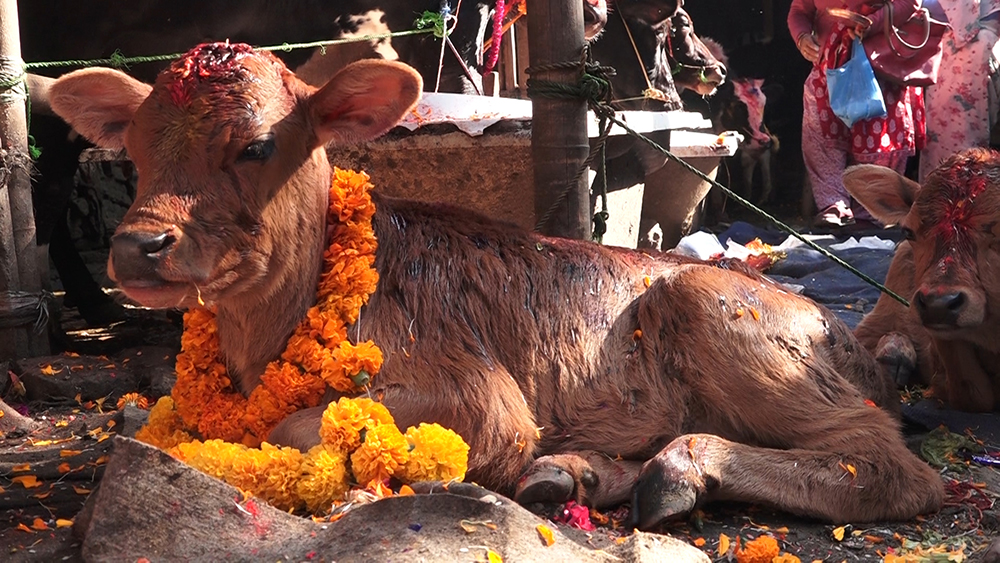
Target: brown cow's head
column 595, row 17
column 228, row 146
column 953, row 226
column 664, row 35
column 691, row 62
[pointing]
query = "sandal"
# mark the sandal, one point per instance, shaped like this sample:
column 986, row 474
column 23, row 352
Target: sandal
column 836, row 215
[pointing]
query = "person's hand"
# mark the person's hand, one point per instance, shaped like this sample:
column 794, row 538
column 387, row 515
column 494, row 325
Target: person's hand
column 858, row 31
column 808, row 46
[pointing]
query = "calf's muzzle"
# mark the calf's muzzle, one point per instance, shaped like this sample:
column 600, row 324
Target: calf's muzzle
column 940, row 308
column 137, row 255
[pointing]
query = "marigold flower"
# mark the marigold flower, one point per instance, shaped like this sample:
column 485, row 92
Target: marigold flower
column 212, row 457
column 164, row 428
column 323, row 479
column 382, row 453
column 344, row 420
column 761, row 550
column 436, row 454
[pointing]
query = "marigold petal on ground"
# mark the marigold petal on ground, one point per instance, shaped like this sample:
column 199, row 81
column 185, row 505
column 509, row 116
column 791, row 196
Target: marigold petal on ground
column 760, row 550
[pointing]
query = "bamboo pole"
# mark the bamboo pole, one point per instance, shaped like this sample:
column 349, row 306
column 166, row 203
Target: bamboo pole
column 18, row 258
column 559, row 143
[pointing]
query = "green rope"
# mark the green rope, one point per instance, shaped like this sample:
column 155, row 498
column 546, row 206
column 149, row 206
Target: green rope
column 432, row 22
column 601, row 179
column 597, row 91
column 117, row 60
column 34, row 151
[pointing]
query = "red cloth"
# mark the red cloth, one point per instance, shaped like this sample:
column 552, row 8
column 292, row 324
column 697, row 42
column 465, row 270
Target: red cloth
column 806, row 16
column 903, row 128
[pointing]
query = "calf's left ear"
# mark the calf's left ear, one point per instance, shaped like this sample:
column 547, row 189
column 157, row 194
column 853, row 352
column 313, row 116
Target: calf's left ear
column 99, row 103
column 363, row 101
column 884, row 192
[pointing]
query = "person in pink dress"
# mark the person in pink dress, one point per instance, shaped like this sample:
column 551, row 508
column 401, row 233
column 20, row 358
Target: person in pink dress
column 828, row 145
column 962, row 105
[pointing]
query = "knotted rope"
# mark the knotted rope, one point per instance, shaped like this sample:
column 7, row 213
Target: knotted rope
column 594, row 86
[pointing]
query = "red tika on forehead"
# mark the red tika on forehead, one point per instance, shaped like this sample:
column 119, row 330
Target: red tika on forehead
column 961, row 183
column 206, row 62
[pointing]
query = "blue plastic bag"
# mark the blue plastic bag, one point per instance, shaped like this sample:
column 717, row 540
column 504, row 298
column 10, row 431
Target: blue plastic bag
column 854, row 92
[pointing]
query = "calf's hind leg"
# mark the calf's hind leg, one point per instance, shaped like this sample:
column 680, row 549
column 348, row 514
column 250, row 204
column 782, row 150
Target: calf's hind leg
column 790, row 431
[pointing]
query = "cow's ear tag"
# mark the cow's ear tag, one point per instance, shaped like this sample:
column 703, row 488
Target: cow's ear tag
column 363, row 101
column 99, row 103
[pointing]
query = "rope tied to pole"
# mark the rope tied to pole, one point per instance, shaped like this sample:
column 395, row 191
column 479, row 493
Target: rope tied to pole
column 13, row 86
column 593, row 85
column 22, row 308
column 14, row 89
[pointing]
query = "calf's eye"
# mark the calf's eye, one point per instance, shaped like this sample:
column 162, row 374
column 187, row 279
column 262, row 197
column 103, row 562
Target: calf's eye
column 258, row 150
column 908, row 233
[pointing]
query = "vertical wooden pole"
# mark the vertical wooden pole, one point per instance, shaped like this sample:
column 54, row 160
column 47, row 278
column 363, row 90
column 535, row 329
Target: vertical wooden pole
column 18, row 258
column 559, row 143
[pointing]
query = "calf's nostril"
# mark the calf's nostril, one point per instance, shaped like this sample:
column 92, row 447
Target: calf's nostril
column 156, row 244
column 953, row 301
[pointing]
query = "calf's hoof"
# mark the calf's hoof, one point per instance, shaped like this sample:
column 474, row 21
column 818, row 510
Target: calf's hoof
column 669, row 486
column 896, row 355
column 555, row 479
column 299, row 430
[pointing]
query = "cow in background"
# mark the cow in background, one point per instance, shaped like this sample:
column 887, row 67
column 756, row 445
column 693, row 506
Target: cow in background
column 663, row 48
column 99, row 28
column 948, row 268
column 739, row 105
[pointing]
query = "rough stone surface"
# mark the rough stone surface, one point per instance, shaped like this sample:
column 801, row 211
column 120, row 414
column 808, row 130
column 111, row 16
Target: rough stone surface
column 92, row 377
column 151, row 505
column 642, row 547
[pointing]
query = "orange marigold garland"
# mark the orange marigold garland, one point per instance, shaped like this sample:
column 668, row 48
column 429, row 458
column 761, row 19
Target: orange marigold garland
column 356, row 434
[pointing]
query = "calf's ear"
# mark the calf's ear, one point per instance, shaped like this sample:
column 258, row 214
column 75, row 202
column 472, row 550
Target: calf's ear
column 884, row 192
column 99, row 103
column 364, row 100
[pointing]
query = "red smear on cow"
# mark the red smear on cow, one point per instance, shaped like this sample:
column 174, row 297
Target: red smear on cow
column 207, row 62
column 963, row 182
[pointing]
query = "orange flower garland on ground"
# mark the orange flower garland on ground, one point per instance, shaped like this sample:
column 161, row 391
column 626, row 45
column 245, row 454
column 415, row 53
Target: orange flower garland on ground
column 360, row 441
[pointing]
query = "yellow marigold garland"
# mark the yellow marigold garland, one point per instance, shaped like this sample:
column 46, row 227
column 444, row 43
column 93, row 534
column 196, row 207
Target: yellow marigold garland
column 436, row 454
column 317, row 354
column 289, row 480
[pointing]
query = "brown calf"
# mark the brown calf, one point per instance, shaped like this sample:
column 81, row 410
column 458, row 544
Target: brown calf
column 949, row 270
column 593, row 368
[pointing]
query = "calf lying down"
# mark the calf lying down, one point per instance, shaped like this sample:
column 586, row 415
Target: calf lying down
column 948, row 268
column 573, row 370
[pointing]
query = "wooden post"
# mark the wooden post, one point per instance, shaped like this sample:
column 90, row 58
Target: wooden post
column 559, row 143
column 18, row 254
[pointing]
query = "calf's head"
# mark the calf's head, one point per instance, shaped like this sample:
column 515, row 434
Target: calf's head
column 232, row 172
column 745, row 113
column 952, row 223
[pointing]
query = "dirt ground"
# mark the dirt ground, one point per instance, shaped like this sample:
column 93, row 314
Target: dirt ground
column 34, row 525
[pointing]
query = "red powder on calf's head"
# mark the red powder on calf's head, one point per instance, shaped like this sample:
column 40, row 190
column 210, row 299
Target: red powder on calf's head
column 208, row 62
column 953, row 190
